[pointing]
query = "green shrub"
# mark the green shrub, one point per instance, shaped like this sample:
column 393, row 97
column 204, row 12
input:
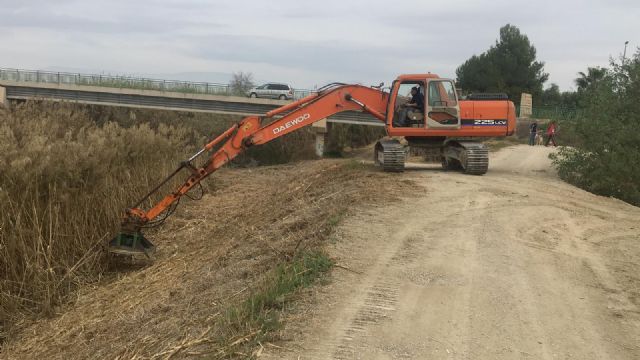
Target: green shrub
column 606, row 139
column 259, row 315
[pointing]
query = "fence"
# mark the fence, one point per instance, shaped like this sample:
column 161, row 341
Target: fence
column 553, row 112
column 127, row 82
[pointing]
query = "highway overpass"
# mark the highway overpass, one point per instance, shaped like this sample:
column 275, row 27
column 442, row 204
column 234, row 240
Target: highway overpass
column 20, row 85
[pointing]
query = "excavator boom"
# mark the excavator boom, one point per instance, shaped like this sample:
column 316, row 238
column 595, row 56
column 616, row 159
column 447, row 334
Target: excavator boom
column 250, row 131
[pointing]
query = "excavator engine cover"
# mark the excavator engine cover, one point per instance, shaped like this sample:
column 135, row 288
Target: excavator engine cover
column 131, row 244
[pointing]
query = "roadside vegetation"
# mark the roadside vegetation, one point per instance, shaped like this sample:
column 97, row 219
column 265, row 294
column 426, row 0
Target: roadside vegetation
column 67, row 173
column 253, row 322
column 510, row 66
column 69, row 170
column 604, row 152
column 597, row 123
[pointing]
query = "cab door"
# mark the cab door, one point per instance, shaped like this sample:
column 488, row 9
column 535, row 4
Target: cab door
column 442, row 108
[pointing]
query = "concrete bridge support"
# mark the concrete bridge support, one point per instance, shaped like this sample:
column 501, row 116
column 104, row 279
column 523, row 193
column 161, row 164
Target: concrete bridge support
column 4, row 103
column 321, row 129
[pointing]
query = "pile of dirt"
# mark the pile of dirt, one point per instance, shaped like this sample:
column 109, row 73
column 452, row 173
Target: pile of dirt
column 211, row 255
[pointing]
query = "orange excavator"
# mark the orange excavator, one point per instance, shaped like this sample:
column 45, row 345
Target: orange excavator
column 443, row 125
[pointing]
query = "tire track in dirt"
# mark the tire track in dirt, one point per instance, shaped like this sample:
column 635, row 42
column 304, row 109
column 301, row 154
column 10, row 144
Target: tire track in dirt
column 376, row 300
column 513, row 264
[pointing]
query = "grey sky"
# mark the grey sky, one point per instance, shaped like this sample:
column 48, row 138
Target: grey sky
column 306, row 43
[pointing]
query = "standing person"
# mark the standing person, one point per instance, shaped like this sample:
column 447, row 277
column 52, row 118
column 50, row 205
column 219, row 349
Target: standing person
column 533, row 130
column 551, row 134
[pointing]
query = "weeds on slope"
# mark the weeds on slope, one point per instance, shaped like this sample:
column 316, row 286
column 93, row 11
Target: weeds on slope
column 64, row 182
column 258, row 316
column 246, row 326
column 226, row 268
column 66, row 173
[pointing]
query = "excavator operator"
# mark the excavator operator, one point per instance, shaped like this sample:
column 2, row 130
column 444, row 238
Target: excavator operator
column 416, row 104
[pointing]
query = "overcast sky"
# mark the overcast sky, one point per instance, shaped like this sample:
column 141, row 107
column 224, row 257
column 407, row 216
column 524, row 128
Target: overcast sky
column 306, row 43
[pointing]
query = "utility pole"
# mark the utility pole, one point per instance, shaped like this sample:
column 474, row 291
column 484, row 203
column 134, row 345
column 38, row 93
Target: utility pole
column 624, row 54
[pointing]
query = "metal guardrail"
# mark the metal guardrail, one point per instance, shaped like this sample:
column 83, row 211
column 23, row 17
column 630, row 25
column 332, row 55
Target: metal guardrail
column 126, row 82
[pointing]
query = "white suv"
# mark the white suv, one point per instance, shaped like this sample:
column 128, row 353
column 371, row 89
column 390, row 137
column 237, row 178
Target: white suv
column 272, row 90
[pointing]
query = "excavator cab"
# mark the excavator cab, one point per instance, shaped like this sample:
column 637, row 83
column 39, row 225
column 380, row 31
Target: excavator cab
column 440, row 132
column 441, row 106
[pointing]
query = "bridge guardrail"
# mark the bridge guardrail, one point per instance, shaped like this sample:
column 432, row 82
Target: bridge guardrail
column 127, row 82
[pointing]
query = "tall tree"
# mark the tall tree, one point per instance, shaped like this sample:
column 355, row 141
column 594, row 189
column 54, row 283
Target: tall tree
column 509, row 66
column 551, row 96
column 591, row 78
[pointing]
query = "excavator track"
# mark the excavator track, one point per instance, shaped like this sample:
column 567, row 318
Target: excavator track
column 390, row 154
column 471, row 156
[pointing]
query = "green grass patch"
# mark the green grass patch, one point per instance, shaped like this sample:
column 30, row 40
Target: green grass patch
column 255, row 319
column 336, row 218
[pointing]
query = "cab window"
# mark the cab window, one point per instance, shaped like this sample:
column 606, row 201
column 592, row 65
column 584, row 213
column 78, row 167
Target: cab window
column 408, row 116
column 442, row 93
column 442, row 105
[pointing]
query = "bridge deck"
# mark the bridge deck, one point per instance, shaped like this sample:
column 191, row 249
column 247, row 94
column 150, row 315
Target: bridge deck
column 153, row 99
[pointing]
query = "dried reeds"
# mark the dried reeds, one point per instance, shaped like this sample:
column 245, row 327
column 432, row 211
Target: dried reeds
column 64, row 181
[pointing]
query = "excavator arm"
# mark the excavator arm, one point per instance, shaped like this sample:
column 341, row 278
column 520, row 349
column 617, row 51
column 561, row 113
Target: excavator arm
column 250, row 131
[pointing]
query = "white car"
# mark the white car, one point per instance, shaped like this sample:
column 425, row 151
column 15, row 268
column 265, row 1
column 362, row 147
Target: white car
column 272, row 90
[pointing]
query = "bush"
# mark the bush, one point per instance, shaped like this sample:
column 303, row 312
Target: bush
column 604, row 159
column 241, row 83
column 342, row 136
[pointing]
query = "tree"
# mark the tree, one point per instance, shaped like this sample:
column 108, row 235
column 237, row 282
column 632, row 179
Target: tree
column 604, row 160
column 591, row 78
column 551, row 96
column 509, row 66
column 241, row 82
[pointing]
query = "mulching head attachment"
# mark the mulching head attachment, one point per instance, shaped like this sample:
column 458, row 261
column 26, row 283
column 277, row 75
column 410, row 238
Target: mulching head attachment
column 131, row 244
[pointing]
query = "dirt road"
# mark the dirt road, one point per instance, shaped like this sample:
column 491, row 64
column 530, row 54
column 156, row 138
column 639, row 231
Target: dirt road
column 515, row 264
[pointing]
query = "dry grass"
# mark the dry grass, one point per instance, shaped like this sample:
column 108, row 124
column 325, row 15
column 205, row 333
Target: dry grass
column 65, row 180
column 67, row 173
column 212, row 256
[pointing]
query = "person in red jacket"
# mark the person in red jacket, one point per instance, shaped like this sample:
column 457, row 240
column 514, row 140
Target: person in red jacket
column 551, row 134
